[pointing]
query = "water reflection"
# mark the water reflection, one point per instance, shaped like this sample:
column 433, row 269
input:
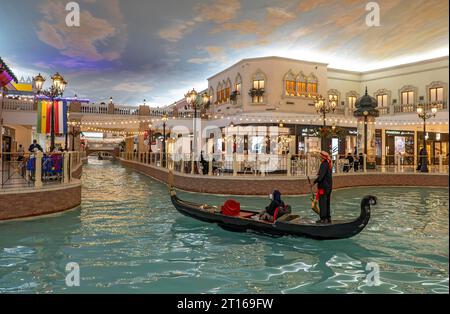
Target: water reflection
column 128, row 238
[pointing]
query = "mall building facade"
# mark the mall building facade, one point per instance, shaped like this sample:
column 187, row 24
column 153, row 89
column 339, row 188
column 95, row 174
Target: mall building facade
column 274, row 92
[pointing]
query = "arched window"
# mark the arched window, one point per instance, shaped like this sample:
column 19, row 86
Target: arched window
column 219, row 93
column 383, row 97
column 312, row 84
column 408, row 95
column 211, row 94
column 334, row 96
column 437, row 92
column 258, row 87
column 238, row 84
column 228, row 90
column 289, row 84
column 352, row 97
column 301, row 84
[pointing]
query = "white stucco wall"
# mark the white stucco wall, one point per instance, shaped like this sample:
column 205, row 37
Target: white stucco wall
column 274, row 69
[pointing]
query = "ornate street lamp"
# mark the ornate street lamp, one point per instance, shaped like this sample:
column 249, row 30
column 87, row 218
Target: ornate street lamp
column 164, row 120
column 324, row 107
column 421, row 111
column 196, row 102
column 150, row 135
column 56, row 90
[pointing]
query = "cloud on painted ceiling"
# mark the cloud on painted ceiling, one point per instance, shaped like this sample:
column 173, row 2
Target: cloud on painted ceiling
column 215, row 54
column 132, row 87
column 96, row 39
column 219, row 12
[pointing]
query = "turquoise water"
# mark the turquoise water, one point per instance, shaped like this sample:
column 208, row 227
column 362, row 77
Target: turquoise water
column 128, row 238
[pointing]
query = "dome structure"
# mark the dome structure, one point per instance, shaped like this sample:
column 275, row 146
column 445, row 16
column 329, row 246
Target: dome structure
column 366, row 106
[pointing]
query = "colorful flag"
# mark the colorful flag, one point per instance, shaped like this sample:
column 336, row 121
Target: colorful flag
column 60, row 117
column 45, row 115
column 39, row 117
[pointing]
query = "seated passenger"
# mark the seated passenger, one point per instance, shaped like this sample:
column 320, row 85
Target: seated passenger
column 275, row 203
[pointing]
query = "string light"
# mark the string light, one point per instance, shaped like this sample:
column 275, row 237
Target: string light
column 257, row 118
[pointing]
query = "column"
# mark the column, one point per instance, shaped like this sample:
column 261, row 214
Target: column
column 415, row 149
column 66, row 167
column 210, row 165
column 38, row 170
column 288, row 164
column 383, row 147
column 129, row 144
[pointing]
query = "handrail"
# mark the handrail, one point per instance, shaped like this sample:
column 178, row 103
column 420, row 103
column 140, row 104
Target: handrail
column 281, row 165
column 20, row 169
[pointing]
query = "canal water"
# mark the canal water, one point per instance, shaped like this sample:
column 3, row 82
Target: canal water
column 128, row 238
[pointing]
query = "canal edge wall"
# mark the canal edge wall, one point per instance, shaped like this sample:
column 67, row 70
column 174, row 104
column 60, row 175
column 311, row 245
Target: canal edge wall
column 229, row 185
column 34, row 202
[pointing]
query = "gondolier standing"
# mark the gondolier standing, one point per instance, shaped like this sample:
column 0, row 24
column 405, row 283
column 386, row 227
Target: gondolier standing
column 324, row 187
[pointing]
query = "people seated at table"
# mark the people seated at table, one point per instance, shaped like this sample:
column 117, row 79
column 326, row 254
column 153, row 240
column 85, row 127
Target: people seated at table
column 350, row 162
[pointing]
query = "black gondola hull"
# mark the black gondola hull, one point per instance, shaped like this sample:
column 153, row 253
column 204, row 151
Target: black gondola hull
column 336, row 230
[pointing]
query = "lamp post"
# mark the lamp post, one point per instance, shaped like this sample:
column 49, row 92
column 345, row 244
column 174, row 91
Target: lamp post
column 164, row 120
column 323, row 107
column 421, row 111
column 196, row 102
column 150, row 134
column 1, row 121
column 56, row 90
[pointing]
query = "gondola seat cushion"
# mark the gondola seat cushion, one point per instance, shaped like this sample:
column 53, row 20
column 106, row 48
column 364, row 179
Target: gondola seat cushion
column 231, row 208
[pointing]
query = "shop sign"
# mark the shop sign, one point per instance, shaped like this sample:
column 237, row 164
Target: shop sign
column 401, row 133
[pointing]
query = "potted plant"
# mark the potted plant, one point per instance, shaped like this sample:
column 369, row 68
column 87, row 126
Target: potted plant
column 234, row 95
column 256, row 92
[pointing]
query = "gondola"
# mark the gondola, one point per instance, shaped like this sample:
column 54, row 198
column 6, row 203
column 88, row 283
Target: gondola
column 287, row 225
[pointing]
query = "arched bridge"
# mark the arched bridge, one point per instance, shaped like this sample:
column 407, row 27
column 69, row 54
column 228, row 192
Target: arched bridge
column 95, row 149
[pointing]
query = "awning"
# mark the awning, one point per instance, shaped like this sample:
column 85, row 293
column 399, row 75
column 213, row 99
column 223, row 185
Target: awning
column 6, row 75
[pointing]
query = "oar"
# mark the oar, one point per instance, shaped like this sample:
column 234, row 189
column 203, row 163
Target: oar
column 314, row 203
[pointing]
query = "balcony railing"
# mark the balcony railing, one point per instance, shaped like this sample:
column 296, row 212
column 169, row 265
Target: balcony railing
column 126, row 111
column 18, row 105
column 94, row 109
column 412, row 108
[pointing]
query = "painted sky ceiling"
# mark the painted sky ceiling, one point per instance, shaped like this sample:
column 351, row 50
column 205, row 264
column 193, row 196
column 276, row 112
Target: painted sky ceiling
column 157, row 50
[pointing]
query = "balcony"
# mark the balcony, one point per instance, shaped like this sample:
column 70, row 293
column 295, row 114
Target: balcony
column 126, row 111
column 412, row 108
column 94, row 109
column 18, row 105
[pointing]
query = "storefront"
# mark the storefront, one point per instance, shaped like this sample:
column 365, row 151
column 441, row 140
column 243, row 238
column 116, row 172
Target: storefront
column 247, row 140
column 437, row 145
column 279, row 140
column 342, row 143
column 399, row 143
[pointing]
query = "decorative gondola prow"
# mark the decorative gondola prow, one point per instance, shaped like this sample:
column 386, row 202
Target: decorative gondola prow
column 170, row 181
column 366, row 202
